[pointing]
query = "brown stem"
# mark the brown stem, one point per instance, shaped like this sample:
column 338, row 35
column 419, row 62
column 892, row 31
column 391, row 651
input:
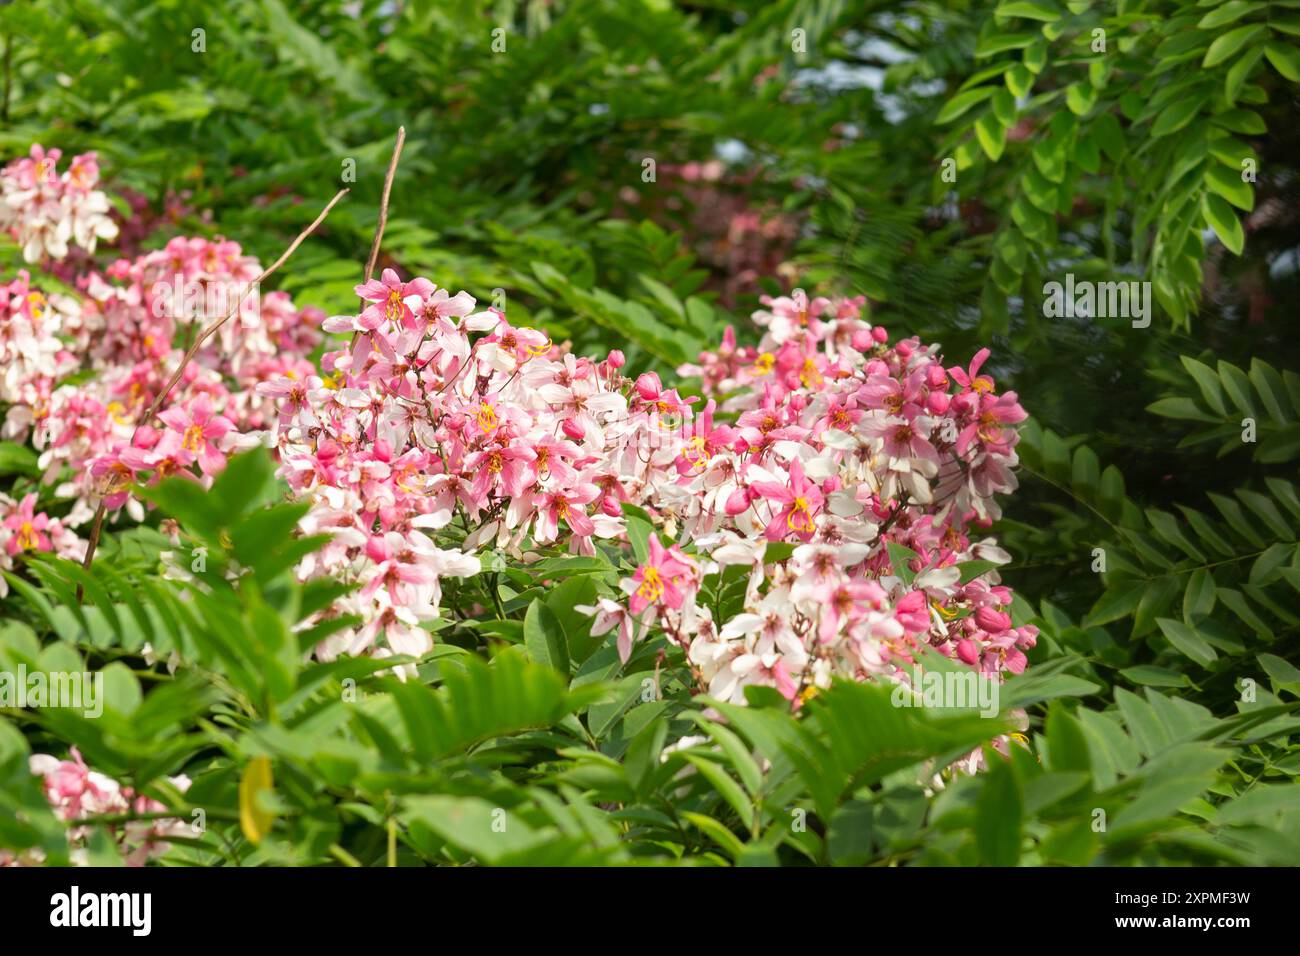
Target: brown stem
column 383, row 204
column 197, row 344
column 373, row 259
column 9, row 57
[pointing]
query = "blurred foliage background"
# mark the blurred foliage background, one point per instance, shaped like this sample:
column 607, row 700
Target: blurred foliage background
column 803, row 143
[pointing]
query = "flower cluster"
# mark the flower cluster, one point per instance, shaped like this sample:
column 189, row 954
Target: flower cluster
column 845, row 479
column 75, row 792
column 851, row 488
column 45, row 210
column 851, row 481
column 78, row 372
column 440, row 417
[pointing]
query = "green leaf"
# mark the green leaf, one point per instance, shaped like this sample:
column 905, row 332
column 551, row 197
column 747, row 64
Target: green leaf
column 1175, row 116
column 1187, row 641
column 1229, row 43
column 1001, row 42
column 544, row 637
column 725, row 785
column 1282, row 673
column 1067, row 747
column 849, row 840
column 1224, row 222
column 1029, row 10
column 1239, row 72
column 1285, row 59
column 1227, row 182
column 1207, row 382
column 1148, row 675
column 998, row 810
column 16, row 459
column 992, row 135
column 962, row 102
column 1019, row 81
column 1080, row 98
column 899, row 559
column 1199, row 598
column 1227, row 13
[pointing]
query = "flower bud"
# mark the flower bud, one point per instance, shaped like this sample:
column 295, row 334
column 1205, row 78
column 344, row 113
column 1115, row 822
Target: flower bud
column 995, row 622
column 648, row 386
column 573, row 430
column 968, row 650
column 738, row 502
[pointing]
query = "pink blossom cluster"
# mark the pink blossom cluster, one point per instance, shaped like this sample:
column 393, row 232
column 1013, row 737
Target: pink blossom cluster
column 75, row 792
column 842, row 446
column 441, row 418
column 23, row 528
column 45, row 210
column 78, row 372
column 125, row 336
column 852, row 479
column 442, row 422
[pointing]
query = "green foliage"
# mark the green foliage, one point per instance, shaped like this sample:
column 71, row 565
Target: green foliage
column 1161, row 700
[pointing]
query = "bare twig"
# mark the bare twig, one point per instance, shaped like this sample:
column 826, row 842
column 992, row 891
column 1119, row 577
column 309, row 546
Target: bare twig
column 383, row 205
column 197, row 344
column 373, row 259
column 9, row 59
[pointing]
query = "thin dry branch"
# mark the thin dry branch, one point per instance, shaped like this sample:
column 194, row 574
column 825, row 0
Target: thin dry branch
column 373, row 259
column 383, row 205
column 97, row 527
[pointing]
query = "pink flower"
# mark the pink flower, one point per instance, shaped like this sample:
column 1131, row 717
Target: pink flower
column 800, row 502
column 28, row 528
column 658, row 580
column 970, row 378
column 199, row 428
column 608, row 615
column 388, row 295
column 567, row 505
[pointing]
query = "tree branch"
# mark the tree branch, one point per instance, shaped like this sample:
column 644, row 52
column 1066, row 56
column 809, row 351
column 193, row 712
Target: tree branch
column 97, row 527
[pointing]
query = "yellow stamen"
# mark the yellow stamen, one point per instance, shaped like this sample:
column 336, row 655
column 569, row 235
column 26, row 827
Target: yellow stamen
column 193, row 440
column 989, row 428
column 696, row 452
column 117, row 412
column 946, row 613
column 652, row 585
column 27, row 536
column 487, row 417
column 810, row 376
column 800, row 518
column 764, row 363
